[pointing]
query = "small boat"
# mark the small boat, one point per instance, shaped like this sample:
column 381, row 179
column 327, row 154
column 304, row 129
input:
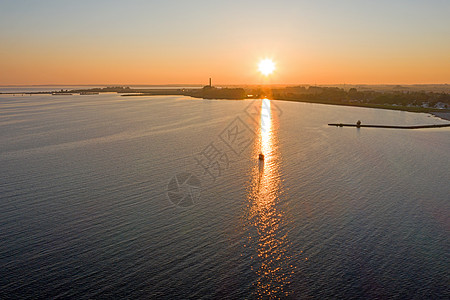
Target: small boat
column 261, row 156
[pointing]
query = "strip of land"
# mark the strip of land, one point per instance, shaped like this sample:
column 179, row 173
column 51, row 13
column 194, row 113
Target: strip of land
column 412, row 100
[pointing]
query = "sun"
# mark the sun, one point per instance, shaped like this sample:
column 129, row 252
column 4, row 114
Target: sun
column 266, row 66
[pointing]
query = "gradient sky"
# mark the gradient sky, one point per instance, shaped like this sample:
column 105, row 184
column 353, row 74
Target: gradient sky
column 166, row 41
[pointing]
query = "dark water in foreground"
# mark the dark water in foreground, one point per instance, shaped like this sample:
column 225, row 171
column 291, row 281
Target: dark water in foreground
column 331, row 213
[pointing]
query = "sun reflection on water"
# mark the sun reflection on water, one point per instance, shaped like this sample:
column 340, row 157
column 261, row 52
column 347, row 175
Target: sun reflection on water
column 264, row 215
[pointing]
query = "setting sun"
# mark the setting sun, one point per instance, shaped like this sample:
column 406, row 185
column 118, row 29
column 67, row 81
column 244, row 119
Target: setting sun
column 266, row 66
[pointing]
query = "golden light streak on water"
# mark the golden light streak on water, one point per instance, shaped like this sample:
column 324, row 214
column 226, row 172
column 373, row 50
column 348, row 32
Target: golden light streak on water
column 266, row 127
column 264, row 213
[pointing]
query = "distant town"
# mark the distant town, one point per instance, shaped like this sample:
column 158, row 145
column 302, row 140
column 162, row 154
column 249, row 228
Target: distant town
column 415, row 98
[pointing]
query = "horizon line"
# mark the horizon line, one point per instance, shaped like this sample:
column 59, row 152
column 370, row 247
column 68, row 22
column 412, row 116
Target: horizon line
column 219, row 84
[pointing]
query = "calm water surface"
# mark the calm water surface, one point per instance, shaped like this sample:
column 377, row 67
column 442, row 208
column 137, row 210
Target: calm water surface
column 331, row 212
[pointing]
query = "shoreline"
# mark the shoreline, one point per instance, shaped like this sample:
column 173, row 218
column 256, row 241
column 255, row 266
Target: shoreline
column 444, row 114
column 441, row 114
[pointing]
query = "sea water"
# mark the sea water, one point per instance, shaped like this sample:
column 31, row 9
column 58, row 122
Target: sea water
column 164, row 197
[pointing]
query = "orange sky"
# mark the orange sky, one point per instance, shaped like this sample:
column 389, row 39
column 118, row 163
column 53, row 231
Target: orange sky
column 146, row 43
